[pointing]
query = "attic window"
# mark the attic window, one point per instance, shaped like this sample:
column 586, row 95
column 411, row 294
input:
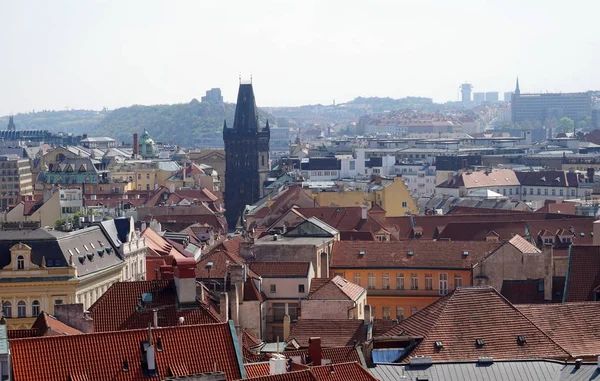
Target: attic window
column 100, row 252
column 90, row 256
column 411, row 253
column 521, row 340
column 125, row 366
column 543, row 179
column 81, row 258
column 362, row 252
column 439, row 345
column 465, row 253
column 108, row 250
column 479, row 343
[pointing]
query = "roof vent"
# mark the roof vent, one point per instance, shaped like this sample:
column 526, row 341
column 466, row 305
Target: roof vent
column 521, row 340
column 90, row 256
column 582, row 234
column 465, row 253
column 275, row 237
column 485, row 360
column 81, row 258
column 420, row 360
column 125, row 366
column 362, row 253
column 439, row 345
column 411, row 253
column 100, row 252
column 479, row 343
column 578, row 363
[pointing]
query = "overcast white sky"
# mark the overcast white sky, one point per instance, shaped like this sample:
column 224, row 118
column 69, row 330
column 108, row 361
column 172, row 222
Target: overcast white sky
column 91, row 54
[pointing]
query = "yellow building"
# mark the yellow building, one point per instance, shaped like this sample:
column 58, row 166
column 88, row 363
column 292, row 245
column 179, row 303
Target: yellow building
column 391, row 195
column 403, row 277
column 43, row 268
column 144, row 174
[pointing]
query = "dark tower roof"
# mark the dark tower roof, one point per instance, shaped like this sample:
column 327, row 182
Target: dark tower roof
column 246, row 114
column 517, row 90
column 11, row 124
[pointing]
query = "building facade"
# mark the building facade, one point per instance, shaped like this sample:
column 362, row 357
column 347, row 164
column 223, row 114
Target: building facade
column 15, row 180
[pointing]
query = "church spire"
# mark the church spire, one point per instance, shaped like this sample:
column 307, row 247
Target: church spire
column 11, row 124
column 517, row 90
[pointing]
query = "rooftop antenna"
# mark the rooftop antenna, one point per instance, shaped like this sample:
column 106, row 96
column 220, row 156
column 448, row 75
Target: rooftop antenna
column 250, row 78
column 240, row 78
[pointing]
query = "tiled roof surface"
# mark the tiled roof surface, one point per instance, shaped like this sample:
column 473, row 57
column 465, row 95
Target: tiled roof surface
column 100, row 356
column 523, row 291
column 23, row 333
column 573, row 326
column 252, row 293
column 381, row 326
column 333, row 333
column 280, row 269
column 480, row 179
column 335, row 288
column 293, row 195
column 356, row 236
column 250, row 340
column 257, row 369
column 160, row 245
column 116, row 309
column 425, row 254
column 577, row 225
column 523, row 245
column 342, row 372
column 477, row 231
column 303, row 375
column 220, row 260
column 50, row 326
column 468, row 210
column 470, row 313
column 583, row 273
column 343, row 218
column 233, row 245
column 548, row 178
column 335, row 354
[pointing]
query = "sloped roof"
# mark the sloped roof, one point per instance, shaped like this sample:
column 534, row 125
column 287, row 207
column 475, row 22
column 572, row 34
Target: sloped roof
column 116, row 309
column 333, row 333
column 220, row 260
column 523, row 245
column 336, row 288
column 343, row 218
column 100, row 356
column 481, row 179
column 336, row 355
column 583, row 273
column 470, row 313
column 281, row 269
column 548, row 179
column 48, row 325
column 425, row 254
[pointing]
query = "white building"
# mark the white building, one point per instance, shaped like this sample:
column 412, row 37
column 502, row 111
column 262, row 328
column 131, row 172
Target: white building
column 419, row 178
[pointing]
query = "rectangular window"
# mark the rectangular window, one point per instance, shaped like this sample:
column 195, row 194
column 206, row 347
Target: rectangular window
column 414, row 281
column 385, row 281
column 357, row 279
column 530, row 190
column 404, row 204
column 443, row 284
column 371, row 281
column 524, row 191
column 458, row 280
column 539, row 192
column 301, row 288
column 273, row 288
column 553, row 192
column 561, row 192
column 428, row 282
column 400, row 313
column 546, row 192
column 572, row 192
column 399, row 281
column 385, row 313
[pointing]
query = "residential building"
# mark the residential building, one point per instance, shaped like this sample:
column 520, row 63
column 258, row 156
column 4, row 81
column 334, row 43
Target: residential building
column 334, row 299
column 548, row 185
column 502, row 181
column 406, row 276
column 419, row 178
column 145, row 175
column 15, row 180
column 83, row 173
column 192, row 176
column 54, row 268
column 57, row 203
column 478, row 98
column 247, row 156
column 99, row 142
column 130, row 245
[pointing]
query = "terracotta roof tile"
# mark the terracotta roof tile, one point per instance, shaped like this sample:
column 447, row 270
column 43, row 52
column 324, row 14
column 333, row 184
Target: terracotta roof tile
column 250, row 340
column 50, row 326
column 523, row 291
column 281, row 269
column 100, row 356
column 583, row 273
column 381, row 326
column 334, row 354
column 333, row 333
column 335, row 288
column 573, row 326
column 523, row 245
column 425, row 254
column 233, row 245
column 470, row 313
column 252, row 293
column 257, row 369
column 117, row 308
column 303, row 375
column 343, row 218
column 335, row 372
column 220, row 260
column 478, row 231
column 356, row 236
column 23, row 333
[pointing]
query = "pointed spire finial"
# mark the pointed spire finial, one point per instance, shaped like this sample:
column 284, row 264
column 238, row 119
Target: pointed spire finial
column 517, row 90
column 240, row 78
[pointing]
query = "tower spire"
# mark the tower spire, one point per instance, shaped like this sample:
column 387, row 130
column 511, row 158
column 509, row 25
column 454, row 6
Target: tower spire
column 517, row 90
column 11, row 124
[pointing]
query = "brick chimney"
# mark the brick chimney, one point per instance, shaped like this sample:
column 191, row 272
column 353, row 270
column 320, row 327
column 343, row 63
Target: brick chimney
column 224, row 307
column 185, row 280
column 314, row 350
column 135, row 144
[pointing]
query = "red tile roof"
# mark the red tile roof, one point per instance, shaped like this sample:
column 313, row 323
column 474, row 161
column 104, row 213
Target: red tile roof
column 381, row 326
column 293, row 195
column 50, row 326
column 257, row 369
column 252, row 293
column 101, row 356
column 334, row 354
column 468, row 210
column 116, row 309
column 478, row 231
column 336, row 288
column 573, row 326
column 470, row 313
column 523, row 291
column 160, row 245
column 281, row 269
column 333, row 333
column 302, row 375
column 334, row 372
column 425, row 254
column 583, row 273
column 232, row 245
column 220, row 260
column 23, row 333
column 481, row 179
column 343, row 218
column 356, row 236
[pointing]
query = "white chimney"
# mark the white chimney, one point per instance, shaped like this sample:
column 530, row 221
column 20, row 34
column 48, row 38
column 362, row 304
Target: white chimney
column 172, row 188
column 363, row 212
column 277, row 364
column 143, row 225
column 185, row 280
column 155, row 317
column 224, row 307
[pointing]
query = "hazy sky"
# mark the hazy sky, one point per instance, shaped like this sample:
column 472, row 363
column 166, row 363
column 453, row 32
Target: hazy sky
column 91, row 54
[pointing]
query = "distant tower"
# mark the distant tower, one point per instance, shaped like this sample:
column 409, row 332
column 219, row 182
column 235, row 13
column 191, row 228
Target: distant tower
column 11, row 124
column 517, row 90
column 246, row 156
column 465, row 89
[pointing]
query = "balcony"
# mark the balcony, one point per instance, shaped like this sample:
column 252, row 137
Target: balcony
column 405, row 292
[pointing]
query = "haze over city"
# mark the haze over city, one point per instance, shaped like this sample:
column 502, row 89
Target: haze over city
column 95, row 54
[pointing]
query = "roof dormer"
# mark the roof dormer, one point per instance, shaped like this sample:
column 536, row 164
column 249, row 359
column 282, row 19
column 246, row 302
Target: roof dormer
column 20, row 258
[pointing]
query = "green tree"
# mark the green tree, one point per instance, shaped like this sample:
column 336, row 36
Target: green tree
column 565, row 125
column 58, row 224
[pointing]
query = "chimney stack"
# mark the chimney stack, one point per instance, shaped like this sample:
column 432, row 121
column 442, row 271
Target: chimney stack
column 314, row 350
column 286, row 327
column 277, row 364
column 185, row 280
column 596, row 240
column 85, row 136
column 368, row 315
column 224, row 307
column 363, row 212
column 135, row 144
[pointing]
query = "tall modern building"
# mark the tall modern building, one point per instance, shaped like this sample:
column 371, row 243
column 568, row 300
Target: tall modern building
column 539, row 107
column 508, row 96
column 246, row 156
column 491, row 97
column 16, row 180
column 478, row 98
column 465, row 90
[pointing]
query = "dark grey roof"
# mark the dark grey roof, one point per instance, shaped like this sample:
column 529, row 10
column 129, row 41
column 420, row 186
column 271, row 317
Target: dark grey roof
column 57, row 247
column 497, row 371
column 321, row 163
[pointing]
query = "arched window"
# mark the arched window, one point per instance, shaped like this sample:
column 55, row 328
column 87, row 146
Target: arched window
column 21, row 309
column 35, row 308
column 7, row 309
column 20, row 262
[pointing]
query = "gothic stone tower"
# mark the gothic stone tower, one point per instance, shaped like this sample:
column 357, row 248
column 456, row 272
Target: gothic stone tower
column 246, row 156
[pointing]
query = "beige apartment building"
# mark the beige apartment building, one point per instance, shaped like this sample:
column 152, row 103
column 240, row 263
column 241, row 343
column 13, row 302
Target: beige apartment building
column 15, row 180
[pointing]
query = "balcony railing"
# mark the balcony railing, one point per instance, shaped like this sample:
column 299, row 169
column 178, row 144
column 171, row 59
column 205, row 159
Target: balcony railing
column 405, row 292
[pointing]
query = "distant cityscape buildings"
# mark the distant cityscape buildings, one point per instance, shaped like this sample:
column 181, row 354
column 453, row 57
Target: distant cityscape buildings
column 465, row 90
column 213, row 96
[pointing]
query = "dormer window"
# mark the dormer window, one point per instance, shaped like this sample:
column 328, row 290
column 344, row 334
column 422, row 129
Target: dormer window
column 20, row 263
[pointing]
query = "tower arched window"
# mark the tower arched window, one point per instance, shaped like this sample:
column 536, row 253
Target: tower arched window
column 35, row 308
column 21, row 309
column 20, row 263
column 7, row 309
